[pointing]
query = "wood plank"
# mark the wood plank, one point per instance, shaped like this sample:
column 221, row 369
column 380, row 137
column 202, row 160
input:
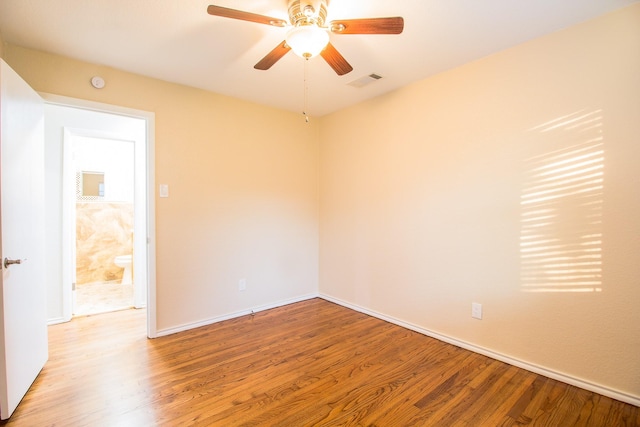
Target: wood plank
column 309, row 363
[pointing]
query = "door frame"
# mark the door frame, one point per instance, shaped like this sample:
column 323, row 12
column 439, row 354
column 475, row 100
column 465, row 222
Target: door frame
column 149, row 192
column 69, row 214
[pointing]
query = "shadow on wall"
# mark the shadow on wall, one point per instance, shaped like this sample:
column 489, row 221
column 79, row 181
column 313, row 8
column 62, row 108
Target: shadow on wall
column 561, row 206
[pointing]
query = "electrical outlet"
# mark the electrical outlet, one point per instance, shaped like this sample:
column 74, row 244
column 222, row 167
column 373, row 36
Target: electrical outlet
column 476, row 310
column 242, row 284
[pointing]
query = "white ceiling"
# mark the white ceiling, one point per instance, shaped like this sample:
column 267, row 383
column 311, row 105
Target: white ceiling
column 177, row 41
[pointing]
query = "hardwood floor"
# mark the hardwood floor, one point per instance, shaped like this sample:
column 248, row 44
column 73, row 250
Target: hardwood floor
column 310, row 363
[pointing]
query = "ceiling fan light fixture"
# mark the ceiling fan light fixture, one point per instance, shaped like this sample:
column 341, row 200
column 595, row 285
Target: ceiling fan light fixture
column 307, row 41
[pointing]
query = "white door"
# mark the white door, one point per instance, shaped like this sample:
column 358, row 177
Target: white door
column 23, row 309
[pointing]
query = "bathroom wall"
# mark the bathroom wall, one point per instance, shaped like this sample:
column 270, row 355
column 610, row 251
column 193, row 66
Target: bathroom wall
column 103, row 231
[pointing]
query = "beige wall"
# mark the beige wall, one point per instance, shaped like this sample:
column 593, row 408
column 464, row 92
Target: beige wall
column 425, row 203
column 243, row 189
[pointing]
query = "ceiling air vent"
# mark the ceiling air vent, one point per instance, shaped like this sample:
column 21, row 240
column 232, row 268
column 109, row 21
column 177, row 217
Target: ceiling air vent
column 363, row 81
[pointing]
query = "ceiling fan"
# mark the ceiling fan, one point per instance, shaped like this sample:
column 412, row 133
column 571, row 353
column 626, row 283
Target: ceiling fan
column 309, row 36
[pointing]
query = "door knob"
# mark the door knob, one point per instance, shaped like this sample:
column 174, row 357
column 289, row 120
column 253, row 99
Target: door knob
column 8, row 262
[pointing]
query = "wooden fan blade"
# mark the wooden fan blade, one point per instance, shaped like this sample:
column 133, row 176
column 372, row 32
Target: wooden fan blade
column 336, row 60
column 245, row 16
column 273, row 57
column 393, row 25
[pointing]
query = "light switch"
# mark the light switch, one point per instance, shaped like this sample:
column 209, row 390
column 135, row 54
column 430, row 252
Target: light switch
column 164, row 190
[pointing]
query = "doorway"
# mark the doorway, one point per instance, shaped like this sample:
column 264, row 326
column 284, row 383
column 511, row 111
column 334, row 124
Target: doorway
column 99, row 164
column 104, row 211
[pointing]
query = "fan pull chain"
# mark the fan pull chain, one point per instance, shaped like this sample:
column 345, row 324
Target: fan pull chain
column 306, row 91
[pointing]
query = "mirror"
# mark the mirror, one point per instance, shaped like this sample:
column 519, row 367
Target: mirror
column 93, row 184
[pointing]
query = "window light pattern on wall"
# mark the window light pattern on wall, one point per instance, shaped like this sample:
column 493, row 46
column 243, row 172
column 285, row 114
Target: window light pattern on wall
column 561, row 207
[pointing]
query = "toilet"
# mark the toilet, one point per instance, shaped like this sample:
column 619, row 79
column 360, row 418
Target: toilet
column 124, row 261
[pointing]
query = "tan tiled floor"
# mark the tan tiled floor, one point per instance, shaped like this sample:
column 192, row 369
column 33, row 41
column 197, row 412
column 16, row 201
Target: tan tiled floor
column 93, row 298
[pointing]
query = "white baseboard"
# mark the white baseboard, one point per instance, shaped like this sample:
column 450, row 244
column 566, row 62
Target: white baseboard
column 605, row 391
column 187, row 326
column 57, row 320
